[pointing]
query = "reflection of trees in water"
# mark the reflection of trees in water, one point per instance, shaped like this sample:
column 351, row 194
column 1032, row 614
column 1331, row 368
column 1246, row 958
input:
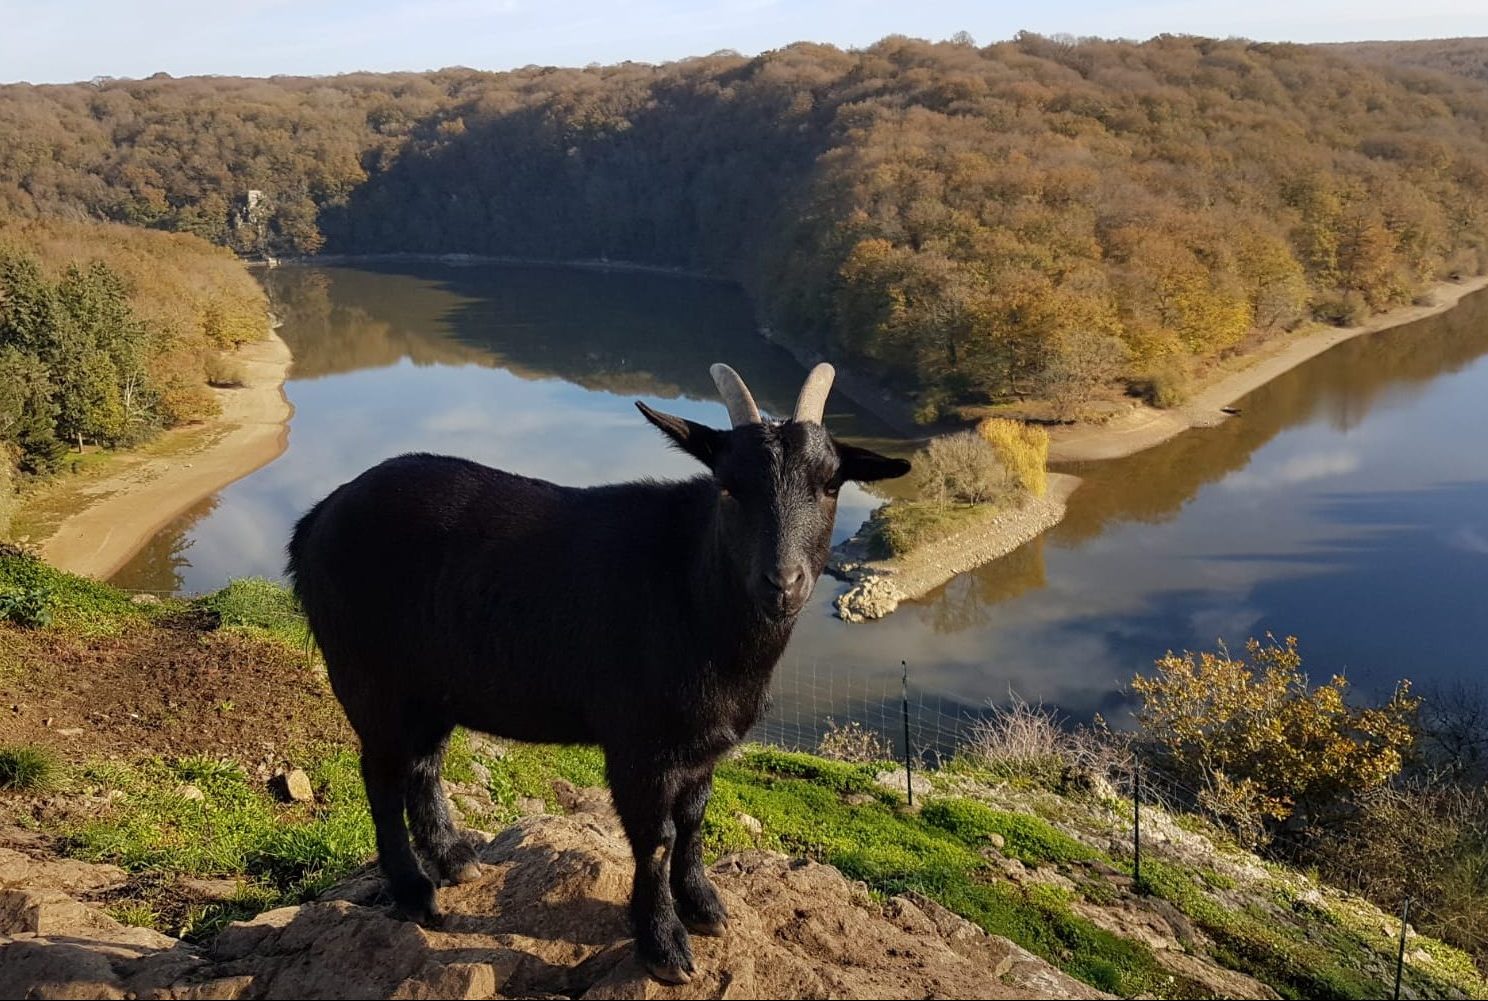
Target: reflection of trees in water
column 158, row 565
column 1342, row 385
column 625, row 333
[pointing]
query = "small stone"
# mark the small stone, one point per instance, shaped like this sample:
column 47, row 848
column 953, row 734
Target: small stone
column 70, row 731
column 481, row 772
column 191, row 792
column 857, row 799
column 294, row 785
column 750, row 824
column 144, row 599
column 997, row 841
column 530, row 806
column 894, row 779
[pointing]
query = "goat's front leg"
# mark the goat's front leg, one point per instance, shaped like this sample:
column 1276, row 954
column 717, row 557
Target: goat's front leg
column 697, row 901
column 644, row 795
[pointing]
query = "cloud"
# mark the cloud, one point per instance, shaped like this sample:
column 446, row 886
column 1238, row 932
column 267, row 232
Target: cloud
column 1298, row 469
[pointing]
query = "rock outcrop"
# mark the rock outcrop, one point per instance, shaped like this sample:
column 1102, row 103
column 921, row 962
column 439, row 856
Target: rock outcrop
column 547, row 919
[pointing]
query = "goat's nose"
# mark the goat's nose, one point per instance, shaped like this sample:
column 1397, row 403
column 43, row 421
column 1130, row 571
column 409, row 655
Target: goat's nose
column 790, row 581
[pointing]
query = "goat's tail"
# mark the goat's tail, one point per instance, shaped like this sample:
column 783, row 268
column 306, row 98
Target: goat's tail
column 299, row 541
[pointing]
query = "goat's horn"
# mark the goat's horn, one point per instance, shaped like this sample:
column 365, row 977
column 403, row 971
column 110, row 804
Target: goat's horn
column 811, row 405
column 735, row 395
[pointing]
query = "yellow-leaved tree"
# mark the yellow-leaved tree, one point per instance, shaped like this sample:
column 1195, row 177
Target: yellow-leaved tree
column 1260, row 743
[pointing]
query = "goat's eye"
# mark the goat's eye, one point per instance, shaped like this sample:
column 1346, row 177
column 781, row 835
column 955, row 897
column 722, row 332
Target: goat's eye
column 725, row 493
column 831, row 489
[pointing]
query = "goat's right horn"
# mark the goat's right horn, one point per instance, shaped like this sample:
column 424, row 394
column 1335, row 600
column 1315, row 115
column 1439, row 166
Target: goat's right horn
column 811, row 405
column 736, row 395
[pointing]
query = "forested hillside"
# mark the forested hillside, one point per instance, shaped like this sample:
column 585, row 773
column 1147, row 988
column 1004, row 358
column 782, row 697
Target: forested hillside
column 1463, row 56
column 1032, row 218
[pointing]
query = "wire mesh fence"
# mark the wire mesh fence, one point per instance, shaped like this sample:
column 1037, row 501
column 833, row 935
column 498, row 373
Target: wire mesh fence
column 808, row 700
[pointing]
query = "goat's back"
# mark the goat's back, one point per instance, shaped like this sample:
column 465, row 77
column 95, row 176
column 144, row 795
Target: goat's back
column 461, row 589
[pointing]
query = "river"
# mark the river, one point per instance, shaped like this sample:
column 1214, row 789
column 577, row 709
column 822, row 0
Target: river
column 1347, row 504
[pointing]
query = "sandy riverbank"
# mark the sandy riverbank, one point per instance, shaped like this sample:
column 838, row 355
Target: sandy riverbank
column 1145, row 427
column 118, row 512
column 878, row 586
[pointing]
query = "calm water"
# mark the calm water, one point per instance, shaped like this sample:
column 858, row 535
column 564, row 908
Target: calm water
column 1347, row 505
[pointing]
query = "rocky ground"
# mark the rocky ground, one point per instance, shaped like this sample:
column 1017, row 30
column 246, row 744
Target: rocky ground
column 547, row 919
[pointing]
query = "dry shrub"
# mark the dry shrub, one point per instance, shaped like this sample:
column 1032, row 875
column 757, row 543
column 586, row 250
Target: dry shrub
column 962, row 468
column 1023, row 450
column 1032, row 741
column 854, row 743
column 1264, row 743
column 224, row 372
column 1426, row 839
column 1167, row 384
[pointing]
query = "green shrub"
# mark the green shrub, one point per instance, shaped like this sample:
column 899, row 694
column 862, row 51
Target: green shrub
column 257, row 604
column 76, row 603
column 29, row 607
column 27, row 769
column 1022, row 449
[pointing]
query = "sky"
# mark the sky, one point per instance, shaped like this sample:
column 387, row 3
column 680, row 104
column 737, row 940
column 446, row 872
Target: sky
column 51, row 41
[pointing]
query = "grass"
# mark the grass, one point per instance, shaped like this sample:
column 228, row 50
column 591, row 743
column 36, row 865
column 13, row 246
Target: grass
column 799, row 802
column 28, row 769
column 259, row 606
column 901, row 527
column 76, row 604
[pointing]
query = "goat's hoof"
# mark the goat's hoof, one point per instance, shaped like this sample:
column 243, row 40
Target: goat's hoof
column 467, row 872
column 668, row 973
column 431, row 918
column 709, row 927
column 459, row 863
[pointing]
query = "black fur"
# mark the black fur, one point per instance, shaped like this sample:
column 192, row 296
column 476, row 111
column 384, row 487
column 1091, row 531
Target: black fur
column 643, row 617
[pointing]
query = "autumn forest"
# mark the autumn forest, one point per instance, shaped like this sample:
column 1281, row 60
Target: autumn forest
column 1034, row 219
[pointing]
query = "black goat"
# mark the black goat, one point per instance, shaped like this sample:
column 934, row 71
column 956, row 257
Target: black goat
column 644, row 617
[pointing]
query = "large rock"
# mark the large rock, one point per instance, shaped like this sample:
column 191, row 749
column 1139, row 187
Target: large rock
column 548, row 918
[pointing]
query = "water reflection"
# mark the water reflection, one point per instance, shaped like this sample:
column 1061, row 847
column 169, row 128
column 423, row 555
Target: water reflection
column 1346, row 504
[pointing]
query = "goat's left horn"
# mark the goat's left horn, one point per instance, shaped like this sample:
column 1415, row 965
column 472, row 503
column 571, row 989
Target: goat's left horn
column 736, row 395
column 811, row 405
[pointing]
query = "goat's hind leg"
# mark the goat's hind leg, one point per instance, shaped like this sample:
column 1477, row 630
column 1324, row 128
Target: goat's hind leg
column 433, row 830
column 386, row 775
column 697, row 901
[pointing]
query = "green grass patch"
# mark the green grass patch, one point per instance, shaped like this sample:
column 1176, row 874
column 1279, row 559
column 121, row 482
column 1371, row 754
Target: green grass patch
column 259, row 606
column 900, row 527
column 798, row 800
column 69, row 602
column 28, row 769
column 1027, row 839
column 1272, row 950
column 528, row 770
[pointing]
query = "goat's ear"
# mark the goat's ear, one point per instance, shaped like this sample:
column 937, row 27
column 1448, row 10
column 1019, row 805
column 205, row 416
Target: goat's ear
column 701, row 442
column 863, row 466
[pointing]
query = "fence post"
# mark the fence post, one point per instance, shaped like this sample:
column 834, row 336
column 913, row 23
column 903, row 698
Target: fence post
column 1400, row 956
column 1137, row 831
column 904, row 701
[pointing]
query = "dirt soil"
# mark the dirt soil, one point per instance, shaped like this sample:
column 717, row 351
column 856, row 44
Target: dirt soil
column 170, row 690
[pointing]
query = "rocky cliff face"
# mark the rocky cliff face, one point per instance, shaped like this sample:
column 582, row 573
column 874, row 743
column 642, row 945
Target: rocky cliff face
column 547, row 919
